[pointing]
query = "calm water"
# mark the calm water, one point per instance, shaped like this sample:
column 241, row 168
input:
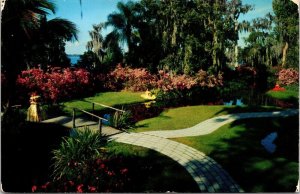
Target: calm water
column 74, row 59
column 268, row 142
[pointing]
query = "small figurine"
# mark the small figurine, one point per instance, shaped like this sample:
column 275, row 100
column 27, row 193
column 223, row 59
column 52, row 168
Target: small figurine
column 35, row 112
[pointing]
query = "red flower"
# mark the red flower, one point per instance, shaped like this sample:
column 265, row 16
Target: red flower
column 92, row 189
column 45, row 185
column 79, row 188
column 33, row 188
column 124, row 171
column 71, row 183
column 102, row 166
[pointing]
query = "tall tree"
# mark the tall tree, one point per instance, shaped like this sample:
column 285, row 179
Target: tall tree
column 19, row 19
column 287, row 27
column 47, row 47
column 96, row 42
column 123, row 23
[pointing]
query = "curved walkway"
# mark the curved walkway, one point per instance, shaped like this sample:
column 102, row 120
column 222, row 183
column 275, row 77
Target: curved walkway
column 207, row 173
column 210, row 125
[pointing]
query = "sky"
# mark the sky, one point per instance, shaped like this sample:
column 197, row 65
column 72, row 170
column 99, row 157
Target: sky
column 96, row 11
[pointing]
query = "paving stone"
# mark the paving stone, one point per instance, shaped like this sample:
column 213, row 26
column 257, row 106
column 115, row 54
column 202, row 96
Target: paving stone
column 201, row 167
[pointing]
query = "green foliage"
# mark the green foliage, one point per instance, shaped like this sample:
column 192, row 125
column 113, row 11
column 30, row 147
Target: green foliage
column 75, row 153
column 121, row 120
column 88, row 60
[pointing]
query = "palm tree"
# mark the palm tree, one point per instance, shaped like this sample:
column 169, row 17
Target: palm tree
column 19, row 19
column 123, row 23
column 47, row 46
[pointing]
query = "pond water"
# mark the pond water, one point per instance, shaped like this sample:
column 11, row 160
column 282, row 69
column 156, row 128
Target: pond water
column 141, row 111
column 267, row 142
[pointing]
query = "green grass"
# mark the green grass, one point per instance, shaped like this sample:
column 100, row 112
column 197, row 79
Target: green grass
column 183, row 117
column 151, row 171
column 237, row 148
column 107, row 98
column 291, row 94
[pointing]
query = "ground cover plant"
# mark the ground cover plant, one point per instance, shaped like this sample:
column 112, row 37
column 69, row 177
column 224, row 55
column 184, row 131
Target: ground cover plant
column 237, row 147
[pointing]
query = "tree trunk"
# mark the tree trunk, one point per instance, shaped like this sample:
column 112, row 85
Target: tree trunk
column 284, row 53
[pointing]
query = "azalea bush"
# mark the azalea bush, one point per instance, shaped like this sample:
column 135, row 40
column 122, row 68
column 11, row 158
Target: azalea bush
column 130, row 79
column 53, row 85
column 176, row 89
column 288, row 76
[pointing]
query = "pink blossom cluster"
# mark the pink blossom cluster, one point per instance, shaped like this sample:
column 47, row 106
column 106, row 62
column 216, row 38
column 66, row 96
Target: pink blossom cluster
column 288, row 76
column 55, row 84
column 169, row 82
column 138, row 79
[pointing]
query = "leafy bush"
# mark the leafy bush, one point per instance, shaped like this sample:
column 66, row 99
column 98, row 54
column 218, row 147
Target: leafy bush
column 178, row 89
column 288, row 76
column 130, row 79
column 82, row 165
column 121, row 120
column 54, row 85
column 76, row 152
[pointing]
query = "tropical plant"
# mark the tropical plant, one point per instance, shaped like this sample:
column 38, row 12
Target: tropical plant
column 121, row 120
column 19, row 19
column 76, row 152
column 20, row 22
column 48, row 45
column 123, row 23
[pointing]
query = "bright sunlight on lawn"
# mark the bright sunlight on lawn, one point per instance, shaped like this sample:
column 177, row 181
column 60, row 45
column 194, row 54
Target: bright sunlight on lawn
column 291, row 93
column 107, row 98
column 237, row 147
column 183, row 117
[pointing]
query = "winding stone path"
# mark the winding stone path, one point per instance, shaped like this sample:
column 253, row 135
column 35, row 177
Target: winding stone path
column 207, row 173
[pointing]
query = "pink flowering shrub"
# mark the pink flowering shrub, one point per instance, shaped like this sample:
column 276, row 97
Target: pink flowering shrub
column 288, row 76
column 130, row 79
column 182, row 88
column 167, row 82
column 55, row 84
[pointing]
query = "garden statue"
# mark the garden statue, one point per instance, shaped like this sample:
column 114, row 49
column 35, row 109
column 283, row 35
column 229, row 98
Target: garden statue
column 148, row 95
column 35, row 112
column 278, row 88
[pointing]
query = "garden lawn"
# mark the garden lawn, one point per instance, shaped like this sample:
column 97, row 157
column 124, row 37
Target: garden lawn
column 237, row 147
column 151, row 171
column 107, row 98
column 290, row 94
column 183, row 117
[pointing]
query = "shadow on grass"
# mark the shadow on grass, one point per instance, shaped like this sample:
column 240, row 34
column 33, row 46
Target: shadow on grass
column 26, row 156
column 150, row 171
column 255, row 169
column 242, row 109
